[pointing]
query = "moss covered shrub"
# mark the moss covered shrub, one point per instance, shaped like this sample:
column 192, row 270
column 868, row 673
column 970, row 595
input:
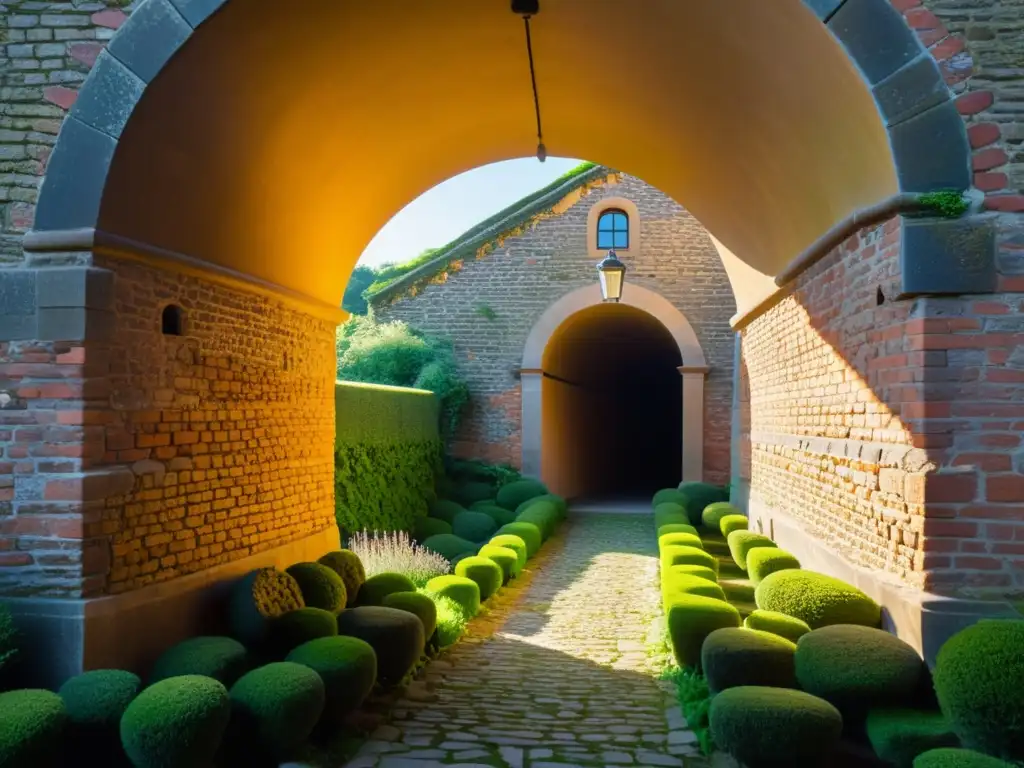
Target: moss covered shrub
column 258, row 597
column 418, row 604
column 900, row 735
column 505, row 558
column 451, row 619
column 677, row 528
column 673, row 583
column 742, row 542
column 701, row 571
column 95, row 702
column 730, row 523
column 699, row 496
column 499, row 515
column 774, row 727
column 670, row 496
column 460, row 590
column 560, row 504
column 349, row 567
column 680, row 538
column 298, row 627
column 32, row 723
column 448, row 545
column 857, row 668
column 528, row 532
column 544, row 515
column 176, row 723
column 515, row 493
column 713, row 513
column 474, row 526
column 376, row 588
column 675, row 554
column 222, row 658
column 347, row 666
column 763, row 561
column 817, row 599
column 321, row 586
column 979, row 679
column 690, row 619
column 516, row 544
column 777, row 623
column 734, row 656
column 426, row 527
column 274, row 709
column 446, row 509
column 485, row 572
column 396, row 636
column 952, row 757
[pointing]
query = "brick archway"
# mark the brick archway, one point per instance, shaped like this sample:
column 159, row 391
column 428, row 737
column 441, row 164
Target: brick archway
column 693, row 370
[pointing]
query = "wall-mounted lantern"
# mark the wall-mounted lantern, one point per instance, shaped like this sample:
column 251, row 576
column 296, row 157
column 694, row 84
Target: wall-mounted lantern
column 612, row 274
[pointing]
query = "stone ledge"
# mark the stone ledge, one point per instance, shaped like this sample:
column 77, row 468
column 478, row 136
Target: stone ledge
column 882, row 454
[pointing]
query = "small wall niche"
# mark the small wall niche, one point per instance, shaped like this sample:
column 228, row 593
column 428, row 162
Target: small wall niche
column 172, row 320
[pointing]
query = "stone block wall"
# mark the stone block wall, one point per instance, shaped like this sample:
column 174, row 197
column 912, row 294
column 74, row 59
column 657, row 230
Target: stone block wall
column 525, row 274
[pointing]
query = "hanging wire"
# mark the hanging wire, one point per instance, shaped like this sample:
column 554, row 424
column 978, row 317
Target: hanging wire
column 542, row 152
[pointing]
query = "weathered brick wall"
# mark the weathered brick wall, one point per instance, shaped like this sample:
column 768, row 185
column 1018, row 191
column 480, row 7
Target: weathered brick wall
column 523, row 276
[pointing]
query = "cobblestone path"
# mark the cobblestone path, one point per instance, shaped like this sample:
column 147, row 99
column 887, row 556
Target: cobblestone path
column 562, row 670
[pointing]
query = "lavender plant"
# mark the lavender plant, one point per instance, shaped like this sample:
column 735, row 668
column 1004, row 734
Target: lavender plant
column 395, row 552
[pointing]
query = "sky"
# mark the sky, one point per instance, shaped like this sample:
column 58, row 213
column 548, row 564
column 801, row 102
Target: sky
column 443, row 213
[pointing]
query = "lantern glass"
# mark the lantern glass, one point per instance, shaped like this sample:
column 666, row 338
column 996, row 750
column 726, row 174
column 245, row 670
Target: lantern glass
column 612, row 274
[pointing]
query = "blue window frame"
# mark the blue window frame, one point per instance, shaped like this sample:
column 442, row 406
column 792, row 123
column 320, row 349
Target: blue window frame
column 613, row 230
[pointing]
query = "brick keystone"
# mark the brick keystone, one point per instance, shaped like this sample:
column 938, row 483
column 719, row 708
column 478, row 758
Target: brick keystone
column 86, row 53
column 987, row 159
column 974, row 102
column 63, row 97
column 111, row 19
column 983, row 134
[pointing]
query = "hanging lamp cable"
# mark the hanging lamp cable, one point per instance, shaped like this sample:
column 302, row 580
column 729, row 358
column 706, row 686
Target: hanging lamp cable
column 542, row 151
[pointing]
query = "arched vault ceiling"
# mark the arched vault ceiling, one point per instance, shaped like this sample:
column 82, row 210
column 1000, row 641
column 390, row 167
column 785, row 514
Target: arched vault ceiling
column 278, row 140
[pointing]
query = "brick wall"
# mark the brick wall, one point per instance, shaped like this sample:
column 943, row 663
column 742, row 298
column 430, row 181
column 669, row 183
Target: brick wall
column 523, row 276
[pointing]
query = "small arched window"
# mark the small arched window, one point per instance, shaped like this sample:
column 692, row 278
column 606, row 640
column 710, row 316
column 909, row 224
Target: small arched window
column 613, row 230
column 172, row 320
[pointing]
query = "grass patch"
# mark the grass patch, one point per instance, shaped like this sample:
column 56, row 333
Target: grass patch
column 694, row 699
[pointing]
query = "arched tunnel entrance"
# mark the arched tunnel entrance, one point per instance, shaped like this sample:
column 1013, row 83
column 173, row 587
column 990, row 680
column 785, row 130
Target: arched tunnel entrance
column 611, row 400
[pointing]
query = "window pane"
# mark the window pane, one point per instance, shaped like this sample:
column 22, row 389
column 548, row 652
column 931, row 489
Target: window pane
column 622, row 239
column 604, row 240
column 620, row 221
column 605, row 222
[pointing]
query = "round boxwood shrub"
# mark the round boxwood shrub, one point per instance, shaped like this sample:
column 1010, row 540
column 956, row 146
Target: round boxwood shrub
column 176, row 723
column 690, row 619
column 544, row 515
column 486, row 573
column 506, row 559
column 516, row 544
column 274, row 709
column 713, row 513
column 670, row 513
column 347, row 564
column 952, row 757
column 470, row 492
column 857, row 668
column 677, row 528
column 515, row 493
column 32, row 723
column 817, row 599
column 680, row 538
column 298, row 627
column 448, row 545
column 687, row 584
column 95, row 702
column 734, row 656
column 762, row 561
column 419, row 605
column 701, row 571
column 528, row 532
column 458, row 559
column 560, row 504
column 474, row 526
column 675, row 554
column 396, row 636
column 258, row 597
column 445, row 509
column 347, row 666
column 321, row 586
column 774, row 727
column 978, row 671
column 376, row 588
column 900, row 735
column 742, row 542
column 731, row 523
column 699, row 496
column 460, row 590
column 425, row 527
column 499, row 515
column 777, row 623
column 222, row 658
column 670, row 496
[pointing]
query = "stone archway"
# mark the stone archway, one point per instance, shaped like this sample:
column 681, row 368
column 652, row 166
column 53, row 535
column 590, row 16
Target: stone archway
column 693, row 371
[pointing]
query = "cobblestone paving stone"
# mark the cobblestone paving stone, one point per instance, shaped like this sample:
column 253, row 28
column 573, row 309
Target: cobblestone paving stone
column 559, row 672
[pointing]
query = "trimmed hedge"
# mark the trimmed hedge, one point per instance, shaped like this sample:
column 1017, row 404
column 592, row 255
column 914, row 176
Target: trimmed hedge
column 777, row 623
column 732, row 657
column 979, row 673
column 95, row 702
column 774, row 727
column 543, row 514
column 743, row 541
column 817, row 599
column 670, row 513
column 900, row 735
column 376, row 588
column 499, row 515
column 690, row 619
column 505, row 558
column 32, row 722
column 731, row 523
column 528, row 532
column 677, row 528
column 321, row 586
column 222, row 658
column 347, row 666
column 347, row 564
column 670, row 496
column 448, row 545
column 473, row 526
column 462, row 591
column 258, row 597
column 298, row 627
column 674, row 583
column 515, row 493
column 516, row 544
column 446, row 510
column 675, row 554
column 471, row 492
column 713, row 513
column 274, row 709
column 763, row 561
column 701, row 571
column 486, row 573
column 426, row 527
column 857, row 668
column 386, row 457
column 951, row 757
column 176, row 723
column 699, row 496
column 680, row 538
column 396, row 636
column 560, row 504
column 417, row 604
